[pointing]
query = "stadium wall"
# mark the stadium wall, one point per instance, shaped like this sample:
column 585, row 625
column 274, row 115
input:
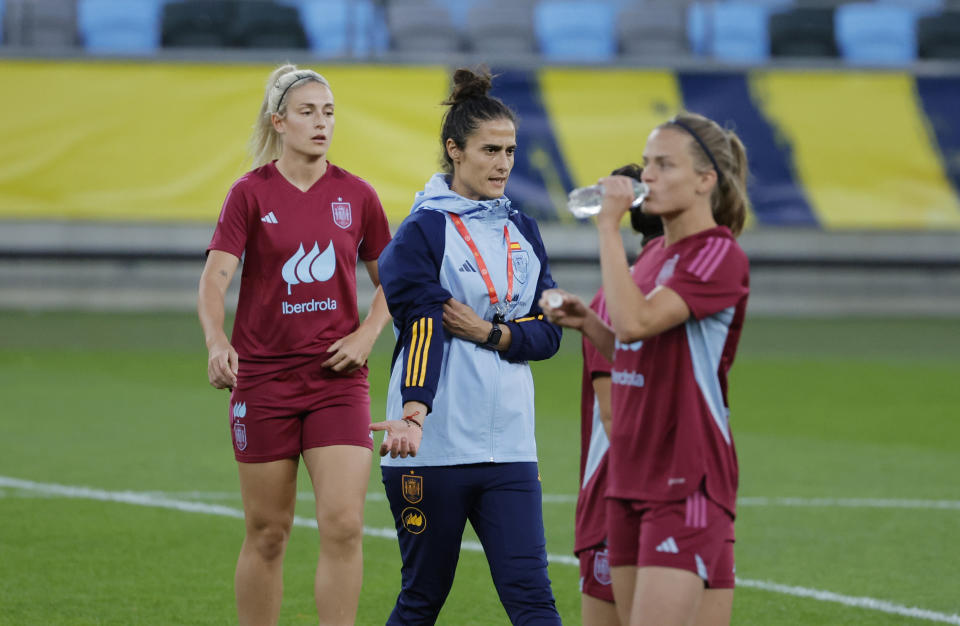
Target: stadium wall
column 829, row 149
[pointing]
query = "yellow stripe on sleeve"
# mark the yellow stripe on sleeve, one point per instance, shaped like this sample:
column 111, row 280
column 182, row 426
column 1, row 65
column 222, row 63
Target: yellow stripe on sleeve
column 410, row 350
column 529, row 319
column 426, row 351
column 419, row 351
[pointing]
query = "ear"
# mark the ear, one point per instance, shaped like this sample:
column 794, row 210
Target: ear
column 706, row 181
column 278, row 123
column 453, row 151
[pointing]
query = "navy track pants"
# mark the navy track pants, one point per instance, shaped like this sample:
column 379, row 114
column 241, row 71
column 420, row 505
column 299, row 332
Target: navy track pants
column 431, row 506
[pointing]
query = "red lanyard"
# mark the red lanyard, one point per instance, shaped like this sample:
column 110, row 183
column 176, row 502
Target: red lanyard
column 483, row 266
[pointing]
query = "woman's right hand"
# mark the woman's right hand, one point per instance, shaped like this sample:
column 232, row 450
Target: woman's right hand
column 222, row 364
column 563, row 308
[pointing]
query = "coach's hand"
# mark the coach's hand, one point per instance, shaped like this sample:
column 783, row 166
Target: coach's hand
column 222, row 364
column 403, row 436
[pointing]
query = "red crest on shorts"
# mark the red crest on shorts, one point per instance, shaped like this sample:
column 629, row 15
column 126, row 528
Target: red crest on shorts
column 240, row 436
column 342, row 215
column 601, row 568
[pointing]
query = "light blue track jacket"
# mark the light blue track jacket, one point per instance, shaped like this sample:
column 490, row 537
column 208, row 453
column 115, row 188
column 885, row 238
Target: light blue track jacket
column 481, row 400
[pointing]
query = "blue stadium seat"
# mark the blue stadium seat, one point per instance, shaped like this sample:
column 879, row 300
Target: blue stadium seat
column 702, row 28
column 2, row 7
column 575, row 31
column 740, row 32
column 459, row 11
column 876, row 34
column 119, row 26
column 342, row 27
column 923, row 7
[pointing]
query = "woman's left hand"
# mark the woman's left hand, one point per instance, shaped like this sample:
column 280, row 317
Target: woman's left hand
column 462, row 321
column 617, row 198
column 350, row 352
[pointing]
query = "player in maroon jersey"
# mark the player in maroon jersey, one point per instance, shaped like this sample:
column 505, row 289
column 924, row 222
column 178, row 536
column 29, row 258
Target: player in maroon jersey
column 676, row 319
column 296, row 363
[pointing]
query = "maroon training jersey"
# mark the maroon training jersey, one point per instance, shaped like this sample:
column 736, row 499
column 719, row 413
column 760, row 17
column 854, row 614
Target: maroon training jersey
column 671, row 425
column 590, row 527
column 298, row 288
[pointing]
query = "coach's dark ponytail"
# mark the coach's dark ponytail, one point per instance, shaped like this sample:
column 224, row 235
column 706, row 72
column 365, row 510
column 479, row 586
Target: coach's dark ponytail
column 470, row 105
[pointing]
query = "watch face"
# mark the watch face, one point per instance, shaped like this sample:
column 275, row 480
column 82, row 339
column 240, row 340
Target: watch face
column 494, row 338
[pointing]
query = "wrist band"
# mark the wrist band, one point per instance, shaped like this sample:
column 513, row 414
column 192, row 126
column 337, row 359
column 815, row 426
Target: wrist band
column 409, row 418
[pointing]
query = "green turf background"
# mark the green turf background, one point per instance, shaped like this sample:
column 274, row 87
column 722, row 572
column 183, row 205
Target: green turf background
column 820, row 408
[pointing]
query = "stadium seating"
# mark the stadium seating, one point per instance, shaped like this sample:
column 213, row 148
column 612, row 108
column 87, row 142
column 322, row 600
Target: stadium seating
column 265, row 24
column 740, row 32
column 501, row 27
column 421, row 26
column 803, row 31
column 652, row 30
column 2, row 8
column 938, row 36
column 460, row 10
column 341, row 27
column 876, row 34
column 575, row 31
column 48, row 24
column 196, row 24
column 119, row 26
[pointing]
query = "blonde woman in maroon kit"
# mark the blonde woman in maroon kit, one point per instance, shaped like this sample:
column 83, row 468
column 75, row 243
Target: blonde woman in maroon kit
column 676, row 319
column 296, row 363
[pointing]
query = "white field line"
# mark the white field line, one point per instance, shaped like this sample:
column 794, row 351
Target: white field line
column 150, row 500
column 548, row 498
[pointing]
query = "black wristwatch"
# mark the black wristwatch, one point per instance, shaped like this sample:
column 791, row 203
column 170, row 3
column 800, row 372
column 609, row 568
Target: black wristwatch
column 493, row 339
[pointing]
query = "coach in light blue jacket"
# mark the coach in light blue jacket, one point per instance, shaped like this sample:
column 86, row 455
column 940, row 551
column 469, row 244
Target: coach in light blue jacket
column 462, row 279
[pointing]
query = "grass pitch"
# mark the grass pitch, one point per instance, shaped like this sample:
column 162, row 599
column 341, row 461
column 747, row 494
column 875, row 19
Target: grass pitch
column 847, row 433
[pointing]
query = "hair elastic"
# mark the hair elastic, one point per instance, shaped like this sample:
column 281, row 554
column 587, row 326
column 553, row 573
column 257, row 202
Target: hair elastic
column 703, row 145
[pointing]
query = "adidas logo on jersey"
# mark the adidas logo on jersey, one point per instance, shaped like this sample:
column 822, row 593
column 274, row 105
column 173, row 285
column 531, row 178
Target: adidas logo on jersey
column 269, row 218
column 668, row 545
column 467, row 267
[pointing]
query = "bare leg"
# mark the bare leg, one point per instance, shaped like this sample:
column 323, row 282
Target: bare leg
column 597, row 612
column 340, row 475
column 715, row 607
column 624, row 579
column 269, row 492
column 666, row 596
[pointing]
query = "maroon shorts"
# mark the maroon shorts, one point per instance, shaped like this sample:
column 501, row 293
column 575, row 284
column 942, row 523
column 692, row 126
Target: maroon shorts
column 595, row 573
column 695, row 534
column 293, row 411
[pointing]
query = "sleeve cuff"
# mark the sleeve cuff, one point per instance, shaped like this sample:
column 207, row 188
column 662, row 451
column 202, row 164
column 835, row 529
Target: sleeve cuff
column 518, row 338
column 418, row 394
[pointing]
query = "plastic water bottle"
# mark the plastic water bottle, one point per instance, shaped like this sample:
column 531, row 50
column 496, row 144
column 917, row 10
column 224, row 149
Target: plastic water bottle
column 585, row 201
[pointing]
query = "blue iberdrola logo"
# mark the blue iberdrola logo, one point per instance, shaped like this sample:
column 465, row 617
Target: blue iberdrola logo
column 342, row 215
column 413, row 520
column 412, row 489
column 307, row 267
column 239, row 430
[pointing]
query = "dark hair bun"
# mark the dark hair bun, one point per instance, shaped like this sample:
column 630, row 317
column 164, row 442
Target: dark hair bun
column 468, row 84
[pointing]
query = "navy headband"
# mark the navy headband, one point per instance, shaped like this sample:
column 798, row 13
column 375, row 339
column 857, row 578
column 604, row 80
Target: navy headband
column 294, row 82
column 703, row 145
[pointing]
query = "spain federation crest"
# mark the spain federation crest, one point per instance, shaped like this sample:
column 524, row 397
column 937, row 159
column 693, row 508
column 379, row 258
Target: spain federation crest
column 412, row 489
column 521, row 263
column 342, row 214
column 240, row 436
